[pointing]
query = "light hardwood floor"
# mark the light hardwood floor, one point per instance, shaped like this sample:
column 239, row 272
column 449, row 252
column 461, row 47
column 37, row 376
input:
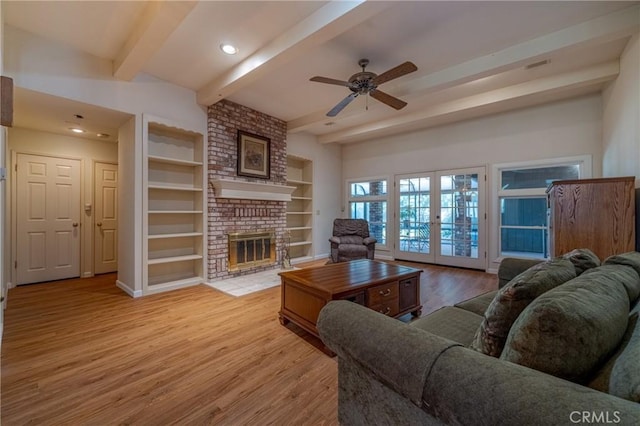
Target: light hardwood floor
column 81, row 352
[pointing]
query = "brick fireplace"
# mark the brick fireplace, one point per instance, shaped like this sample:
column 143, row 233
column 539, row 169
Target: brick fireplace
column 232, row 216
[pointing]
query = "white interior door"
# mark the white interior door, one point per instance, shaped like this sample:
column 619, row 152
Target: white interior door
column 440, row 217
column 106, row 218
column 47, row 218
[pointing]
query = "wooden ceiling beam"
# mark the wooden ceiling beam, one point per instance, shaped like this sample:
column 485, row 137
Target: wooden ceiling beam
column 158, row 21
column 326, row 23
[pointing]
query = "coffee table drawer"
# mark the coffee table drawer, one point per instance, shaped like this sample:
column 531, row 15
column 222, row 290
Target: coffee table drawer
column 382, row 293
column 388, row 307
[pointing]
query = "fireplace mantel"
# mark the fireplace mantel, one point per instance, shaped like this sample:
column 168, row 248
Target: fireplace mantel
column 243, row 190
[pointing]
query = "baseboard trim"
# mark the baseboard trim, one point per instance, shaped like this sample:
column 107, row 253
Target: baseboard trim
column 384, row 257
column 133, row 293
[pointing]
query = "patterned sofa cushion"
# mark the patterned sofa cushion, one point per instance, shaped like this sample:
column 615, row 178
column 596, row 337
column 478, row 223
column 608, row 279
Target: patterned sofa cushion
column 513, row 298
column 631, row 259
column 620, row 376
column 582, row 259
column 570, row 330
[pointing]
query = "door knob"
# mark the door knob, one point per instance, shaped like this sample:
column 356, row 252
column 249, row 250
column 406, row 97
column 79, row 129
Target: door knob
column 75, row 224
column 99, row 223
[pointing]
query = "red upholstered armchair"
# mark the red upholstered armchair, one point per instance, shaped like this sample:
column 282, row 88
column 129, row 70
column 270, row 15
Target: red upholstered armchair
column 351, row 240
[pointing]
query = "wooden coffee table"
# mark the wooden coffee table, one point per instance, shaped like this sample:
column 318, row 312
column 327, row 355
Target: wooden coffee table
column 390, row 289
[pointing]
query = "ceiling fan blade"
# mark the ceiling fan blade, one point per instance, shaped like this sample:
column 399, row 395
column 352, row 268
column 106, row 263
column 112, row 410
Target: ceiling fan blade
column 343, row 103
column 396, row 72
column 385, row 98
column 330, row 81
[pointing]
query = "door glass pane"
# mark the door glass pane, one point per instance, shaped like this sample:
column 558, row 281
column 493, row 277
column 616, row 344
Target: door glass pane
column 459, row 215
column 415, row 214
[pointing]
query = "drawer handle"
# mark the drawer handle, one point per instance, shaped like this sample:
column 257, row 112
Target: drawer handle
column 386, row 311
column 385, row 292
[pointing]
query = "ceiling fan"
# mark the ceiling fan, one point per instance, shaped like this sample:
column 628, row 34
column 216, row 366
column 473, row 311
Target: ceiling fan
column 366, row 83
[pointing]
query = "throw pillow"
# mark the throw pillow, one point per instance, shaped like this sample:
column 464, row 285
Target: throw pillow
column 570, row 330
column 511, row 300
column 620, row 375
column 582, row 259
column 631, row 259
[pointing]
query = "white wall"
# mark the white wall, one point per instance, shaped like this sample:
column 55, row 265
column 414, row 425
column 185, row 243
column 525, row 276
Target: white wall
column 562, row 129
column 621, row 117
column 36, row 142
column 327, row 184
column 46, row 66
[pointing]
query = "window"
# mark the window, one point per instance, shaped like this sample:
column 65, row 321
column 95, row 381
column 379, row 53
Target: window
column 523, row 203
column 368, row 200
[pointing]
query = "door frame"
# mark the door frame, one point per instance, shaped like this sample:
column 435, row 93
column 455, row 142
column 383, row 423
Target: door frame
column 434, row 256
column 13, row 205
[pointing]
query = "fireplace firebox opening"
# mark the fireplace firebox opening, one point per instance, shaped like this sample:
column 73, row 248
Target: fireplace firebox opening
column 250, row 249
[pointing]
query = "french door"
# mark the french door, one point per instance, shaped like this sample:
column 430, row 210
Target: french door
column 440, row 217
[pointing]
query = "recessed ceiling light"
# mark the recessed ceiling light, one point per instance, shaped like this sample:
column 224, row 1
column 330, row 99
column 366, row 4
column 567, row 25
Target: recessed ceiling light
column 76, row 130
column 228, row 49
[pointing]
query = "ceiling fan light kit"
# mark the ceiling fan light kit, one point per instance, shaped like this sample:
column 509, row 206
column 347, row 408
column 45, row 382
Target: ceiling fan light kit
column 366, row 83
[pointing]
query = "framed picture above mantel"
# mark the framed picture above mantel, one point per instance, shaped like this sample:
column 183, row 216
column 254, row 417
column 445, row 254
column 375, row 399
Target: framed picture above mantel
column 254, row 155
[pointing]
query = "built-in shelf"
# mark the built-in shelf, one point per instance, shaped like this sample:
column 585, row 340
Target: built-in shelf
column 173, row 259
column 175, row 211
column 173, row 188
column 300, row 243
column 298, row 182
column 169, row 160
column 243, row 190
column 300, row 208
column 178, row 235
column 174, row 205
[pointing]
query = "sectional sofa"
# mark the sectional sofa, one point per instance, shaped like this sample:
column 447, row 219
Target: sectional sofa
column 558, row 343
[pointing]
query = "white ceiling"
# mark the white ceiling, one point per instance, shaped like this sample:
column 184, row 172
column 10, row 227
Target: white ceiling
column 471, row 56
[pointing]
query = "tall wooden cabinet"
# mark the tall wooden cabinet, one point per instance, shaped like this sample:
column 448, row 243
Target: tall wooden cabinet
column 300, row 208
column 598, row 214
column 174, row 206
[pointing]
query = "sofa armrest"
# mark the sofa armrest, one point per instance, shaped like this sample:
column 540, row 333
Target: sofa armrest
column 510, row 267
column 397, row 355
column 369, row 240
column 334, row 240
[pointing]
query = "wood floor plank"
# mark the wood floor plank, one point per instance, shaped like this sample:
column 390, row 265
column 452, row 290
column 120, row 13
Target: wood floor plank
column 83, row 352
